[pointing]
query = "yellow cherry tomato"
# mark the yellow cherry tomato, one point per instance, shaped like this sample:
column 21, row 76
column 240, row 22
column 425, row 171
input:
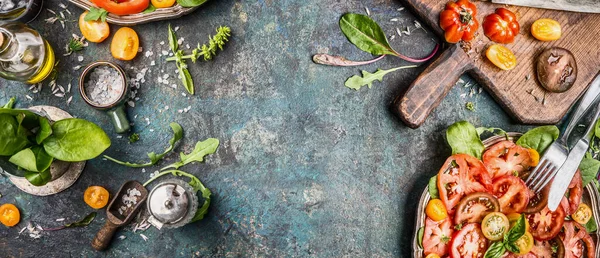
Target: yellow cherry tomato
column 436, row 210
column 525, row 243
column 546, row 30
column 432, row 256
column 535, row 157
column 501, row 56
column 93, row 31
column 9, row 215
column 494, row 226
column 96, row 197
column 163, row 3
column 583, row 214
column 125, row 44
column 513, row 217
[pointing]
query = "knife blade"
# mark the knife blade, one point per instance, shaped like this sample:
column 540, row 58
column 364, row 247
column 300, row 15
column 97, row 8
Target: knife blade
column 582, row 6
column 565, row 174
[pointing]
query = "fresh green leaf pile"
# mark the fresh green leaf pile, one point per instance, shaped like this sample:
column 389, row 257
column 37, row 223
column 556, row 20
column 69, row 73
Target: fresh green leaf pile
column 76, row 140
column 96, row 14
column 206, row 51
column 497, row 249
column 463, row 138
column 539, row 138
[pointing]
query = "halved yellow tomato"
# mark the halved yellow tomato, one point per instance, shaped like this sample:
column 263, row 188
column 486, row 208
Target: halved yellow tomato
column 546, row 30
column 583, row 214
column 436, row 210
column 494, row 226
column 432, row 255
column 514, row 217
column 9, row 215
column 501, row 56
column 163, row 3
column 125, row 44
column 96, row 197
column 93, row 31
column 525, row 243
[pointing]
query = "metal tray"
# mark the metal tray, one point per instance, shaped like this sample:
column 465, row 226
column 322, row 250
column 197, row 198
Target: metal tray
column 173, row 12
column 591, row 197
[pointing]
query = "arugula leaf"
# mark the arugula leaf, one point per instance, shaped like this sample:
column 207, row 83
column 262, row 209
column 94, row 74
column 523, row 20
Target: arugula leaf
column 209, row 146
column 191, row 3
column 367, row 79
column 589, row 169
column 365, row 34
column 44, row 131
column 10, row 104
column 150, row 9
column 154, row 158
column 591, row 226
column 539, row 138
column 96, row 14
column 433, row 189
column 420, row 234
column 496, row 250
column 463, row 138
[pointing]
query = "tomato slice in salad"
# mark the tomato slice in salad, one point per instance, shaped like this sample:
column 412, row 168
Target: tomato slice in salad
column 575, row 191
column 507, row 158
column 578, row 243
column 436, row 236
column 474, row 207
column 553, row 248
column 461, row 174
column 512, row 194
column 538, row 201
column 545, row 225
column 469, row 242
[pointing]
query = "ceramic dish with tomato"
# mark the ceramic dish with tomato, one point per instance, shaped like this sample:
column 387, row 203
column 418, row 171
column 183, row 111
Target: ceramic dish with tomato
column 480, row 202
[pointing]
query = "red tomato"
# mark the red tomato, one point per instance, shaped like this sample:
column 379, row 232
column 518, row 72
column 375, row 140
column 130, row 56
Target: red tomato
column 578, row 243
column 507, row 158
column 469, row 242
column 512, row 194
column 544, row 249
column 458, row 21
column 124, row 7
column 501, row 27
column 575, row 192
column 546, row 224
column 437, row 236
column 538, row 201
column 473, row 207
column 461, row 174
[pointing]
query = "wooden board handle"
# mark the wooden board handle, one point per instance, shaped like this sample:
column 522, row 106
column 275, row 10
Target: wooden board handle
column 104, row 236
column 428, row 90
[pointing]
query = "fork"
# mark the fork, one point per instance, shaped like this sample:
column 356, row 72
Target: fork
column 556, row 154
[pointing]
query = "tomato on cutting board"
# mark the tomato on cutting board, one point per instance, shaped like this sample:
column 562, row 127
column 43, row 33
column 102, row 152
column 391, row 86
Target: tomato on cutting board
column 123, row 7
column 459, row 22
column 461, row 174
column 125, row 44
column 9, row 215
column 546, row 30
column 512, row 194
column 578, row 243
column 502, row 26
column 507, row 158
column 546, row 224
column 469, row 242
column 96, row 197
column 93, row 31
column 436, row 236
column 501, row 57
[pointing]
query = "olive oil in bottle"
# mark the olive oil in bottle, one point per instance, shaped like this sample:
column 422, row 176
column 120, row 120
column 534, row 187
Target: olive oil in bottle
column 24, row 55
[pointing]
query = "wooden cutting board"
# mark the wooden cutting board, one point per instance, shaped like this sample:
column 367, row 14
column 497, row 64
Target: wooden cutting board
column 581, row 35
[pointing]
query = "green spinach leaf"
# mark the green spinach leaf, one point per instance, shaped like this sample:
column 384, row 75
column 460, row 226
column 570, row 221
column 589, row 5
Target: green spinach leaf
column 365, row 34
column 33, row 159
column 191, row 3
column 591, row 226
column 433, row 189
column 367, row 79
column 76, row 140
column 38, row 178
column 150, row 9
column 10, row 104
column 463, row 138
column 539, row 138
column 209, row 146
column 496, row 250
column 13, row 138
column 96, row 14
column 492, row 130
column 589, row 169
column 420, row 236
column 30, row 120
column 44, row 131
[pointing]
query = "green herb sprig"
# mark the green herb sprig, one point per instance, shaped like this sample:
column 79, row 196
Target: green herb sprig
column 207, row 51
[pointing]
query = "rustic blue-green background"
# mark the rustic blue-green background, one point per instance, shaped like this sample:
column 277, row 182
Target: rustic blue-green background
column 306, row 167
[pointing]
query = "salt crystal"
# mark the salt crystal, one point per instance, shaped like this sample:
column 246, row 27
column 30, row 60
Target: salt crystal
column 28, row 97
column 61, row 219
column 399, row 32
column 76, row 68
column 69, row 87
column 176, row 28
column 164, row 53
column 144, row 237
column 148, row 53
column 151, row 130
column 187, row 46
column 122, row 237
column 368, row 12
column 69, row 100
column 152, row 63
column 166, row 76
column 394, row 19
column 119, row 136
column 400, row 9
column 63, row 6
column 140, row 50
column 131, row 103
column 162, row 42
column 180, row 41
column 147, row 120
column 143, row 170
column 80, row 58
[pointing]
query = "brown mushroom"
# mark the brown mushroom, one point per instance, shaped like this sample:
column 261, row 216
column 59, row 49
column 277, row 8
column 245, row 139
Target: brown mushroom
column 556, row 69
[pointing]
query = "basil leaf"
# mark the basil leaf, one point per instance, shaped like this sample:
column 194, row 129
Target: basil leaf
column 463, row 138
column 432, row 187
column 186, row 79
column 150, row 9
column 173, row 40
column 539, row 138
column 13, row 138
column 44, row 131
column 96, row 14
column 589, row 169
column 76, row 140
column 82, row 223
column 10, row 104
column 38, row 178
column 420, row 236
column 209, row 146
column 516, row 232
column 512, row 247
column 365, row 34
column 191, row 3
column 495, row 250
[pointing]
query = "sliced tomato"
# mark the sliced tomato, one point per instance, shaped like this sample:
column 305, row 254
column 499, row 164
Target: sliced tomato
column 507, row 158
column 578, row 243
column 546, row 224
column 460, row 175
column 449, row 185
column 575, row 192
column 436, row 236
column 124, row 7
column 475, row 176
column 469, row 242
column 474, row 207
column 548, row 249
column 538, row 201
column 512, row 194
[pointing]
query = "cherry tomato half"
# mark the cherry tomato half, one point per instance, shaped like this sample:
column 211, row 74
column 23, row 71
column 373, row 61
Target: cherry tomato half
column 495, row 225
column 93, row 31
column 125, row 44
column 124, row 7
column 502, row 26
column 436, row 236
column 583, row 214
column 469, row 242
column 163, row 3
column 474, row 207
column 546, row 224
column 525, row 243
column 502, row 57
column 436, row 210
column 512, row 194
column 9, row 215
column 458, row 21
column 546, row 30
column 96, row 197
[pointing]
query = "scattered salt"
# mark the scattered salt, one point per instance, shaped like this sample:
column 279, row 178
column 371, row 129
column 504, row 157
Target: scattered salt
column 61, row 219
column 144, row 237
column 162, row 42
column 104, row 85
column 368, row 12
column 80, row 58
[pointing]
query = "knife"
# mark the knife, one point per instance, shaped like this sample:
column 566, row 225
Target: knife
column 583, row 6
column 567, row 171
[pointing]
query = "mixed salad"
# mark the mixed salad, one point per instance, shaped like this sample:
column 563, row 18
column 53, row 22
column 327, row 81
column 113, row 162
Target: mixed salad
column 481, row 207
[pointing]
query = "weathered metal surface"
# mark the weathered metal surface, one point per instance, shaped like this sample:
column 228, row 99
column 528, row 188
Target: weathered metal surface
column 306, row 166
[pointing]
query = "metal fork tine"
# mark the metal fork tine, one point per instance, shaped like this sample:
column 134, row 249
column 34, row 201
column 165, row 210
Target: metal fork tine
column 537, row 173
column 549, row 176
column 542, row 174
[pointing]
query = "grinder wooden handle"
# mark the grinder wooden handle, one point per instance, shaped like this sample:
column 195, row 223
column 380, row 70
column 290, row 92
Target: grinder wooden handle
column 104, row 236
column 428, row 90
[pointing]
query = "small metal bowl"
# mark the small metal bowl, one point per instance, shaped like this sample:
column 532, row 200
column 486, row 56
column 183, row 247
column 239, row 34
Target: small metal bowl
column 33, row 9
